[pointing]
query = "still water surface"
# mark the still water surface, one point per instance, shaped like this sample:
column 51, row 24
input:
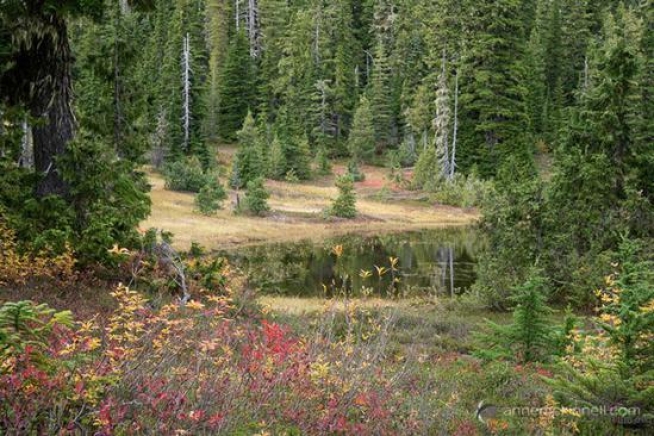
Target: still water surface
column 428, row 262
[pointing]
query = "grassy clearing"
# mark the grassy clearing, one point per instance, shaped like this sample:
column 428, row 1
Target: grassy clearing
column 426, row 327
column 297, row 212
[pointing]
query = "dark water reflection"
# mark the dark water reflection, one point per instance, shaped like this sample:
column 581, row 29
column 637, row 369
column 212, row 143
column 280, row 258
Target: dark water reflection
column 431, row 261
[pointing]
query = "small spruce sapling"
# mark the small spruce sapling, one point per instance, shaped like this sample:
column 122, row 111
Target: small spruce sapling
column 529, row 337
column 210, row 197
column 344, row 206
column 256, row 198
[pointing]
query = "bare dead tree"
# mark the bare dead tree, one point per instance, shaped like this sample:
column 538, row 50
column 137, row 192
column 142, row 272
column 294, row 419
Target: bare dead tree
column 186, row 78
column 456, row 125
column 171, row 259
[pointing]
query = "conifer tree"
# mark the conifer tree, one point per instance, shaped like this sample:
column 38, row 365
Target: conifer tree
column 236, row 88
column 437, row 162
column 380, row 97
column 274, row 17
column 256, row 197
column 210, row 197
column 493, row 95
column 595, row 171
column 344, row 206
column 248, row 162
column 529, row 337
column 277, row 168
column 111, row 87
column 361, row 143
column 183, row 69
column 418, row 116
column 345, row 54
column 323, row 166
column 297, row 74
column 218, row 13
column 290, row 154
column 645, row 127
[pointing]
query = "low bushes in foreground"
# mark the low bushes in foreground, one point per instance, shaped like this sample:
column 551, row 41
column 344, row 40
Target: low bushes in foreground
column 195, row 368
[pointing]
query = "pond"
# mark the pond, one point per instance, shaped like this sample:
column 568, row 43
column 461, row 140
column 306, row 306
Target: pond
column 396, row 264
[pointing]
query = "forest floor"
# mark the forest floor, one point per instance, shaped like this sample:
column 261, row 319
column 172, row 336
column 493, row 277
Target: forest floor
column 297, row 211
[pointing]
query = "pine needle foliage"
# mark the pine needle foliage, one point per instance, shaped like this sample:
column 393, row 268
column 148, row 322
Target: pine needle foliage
column 210, row 197
column 344, row 206
column 529, row 337
column 256, row 198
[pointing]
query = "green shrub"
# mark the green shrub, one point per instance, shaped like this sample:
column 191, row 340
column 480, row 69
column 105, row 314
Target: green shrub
column 108, row 198
column 291, row 176
column 612, row 364
column 256, row 198
column 323, row 166
column 427, row 170
column 530, row 337
column 354, row 172
column 463, row 191
column 210, row 197
column 24, row 323
column 185, row 175
column 344, row 206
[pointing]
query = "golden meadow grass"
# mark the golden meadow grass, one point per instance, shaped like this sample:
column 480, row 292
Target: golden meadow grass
column 297, row 213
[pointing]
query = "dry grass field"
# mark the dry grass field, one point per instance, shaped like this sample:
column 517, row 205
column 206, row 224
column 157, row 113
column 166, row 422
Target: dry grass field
column 297, row 212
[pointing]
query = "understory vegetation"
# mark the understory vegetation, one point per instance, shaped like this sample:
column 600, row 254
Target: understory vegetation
column 222, row 363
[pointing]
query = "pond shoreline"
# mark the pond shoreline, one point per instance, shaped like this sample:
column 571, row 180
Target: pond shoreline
column 296, row 215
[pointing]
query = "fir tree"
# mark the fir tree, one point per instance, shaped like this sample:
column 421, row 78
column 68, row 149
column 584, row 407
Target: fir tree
column 248, row 164
column 236, row 88
column 277, row 168
column 620, row 377
column 218, row 14
column 210, row 197
column 493, row 89
column 256, row 198
column 293, row 154
column 361, row 143
column 274, row 18
column 380, row 97
column 323, row 166
column 354, row 172
column 441, row 126
column 529, row 337
column 344, row 206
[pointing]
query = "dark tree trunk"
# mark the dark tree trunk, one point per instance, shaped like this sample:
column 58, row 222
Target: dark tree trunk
column 44, row 87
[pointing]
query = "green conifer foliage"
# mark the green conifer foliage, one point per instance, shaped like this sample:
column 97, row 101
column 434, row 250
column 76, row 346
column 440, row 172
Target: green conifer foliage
column 248, row 163
column 344, row 206
column 236, row 88
column 381, row 97
column 256, row 198
column 210, row 197
column 218, row 13
column 323, row 165
column 277, row 169
column 529, row 337
column 621, row 375
column 493, row 93
column 361, row 143
column 354, row 172
column 274, row 18
column 290, row 151
column 645, row 135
